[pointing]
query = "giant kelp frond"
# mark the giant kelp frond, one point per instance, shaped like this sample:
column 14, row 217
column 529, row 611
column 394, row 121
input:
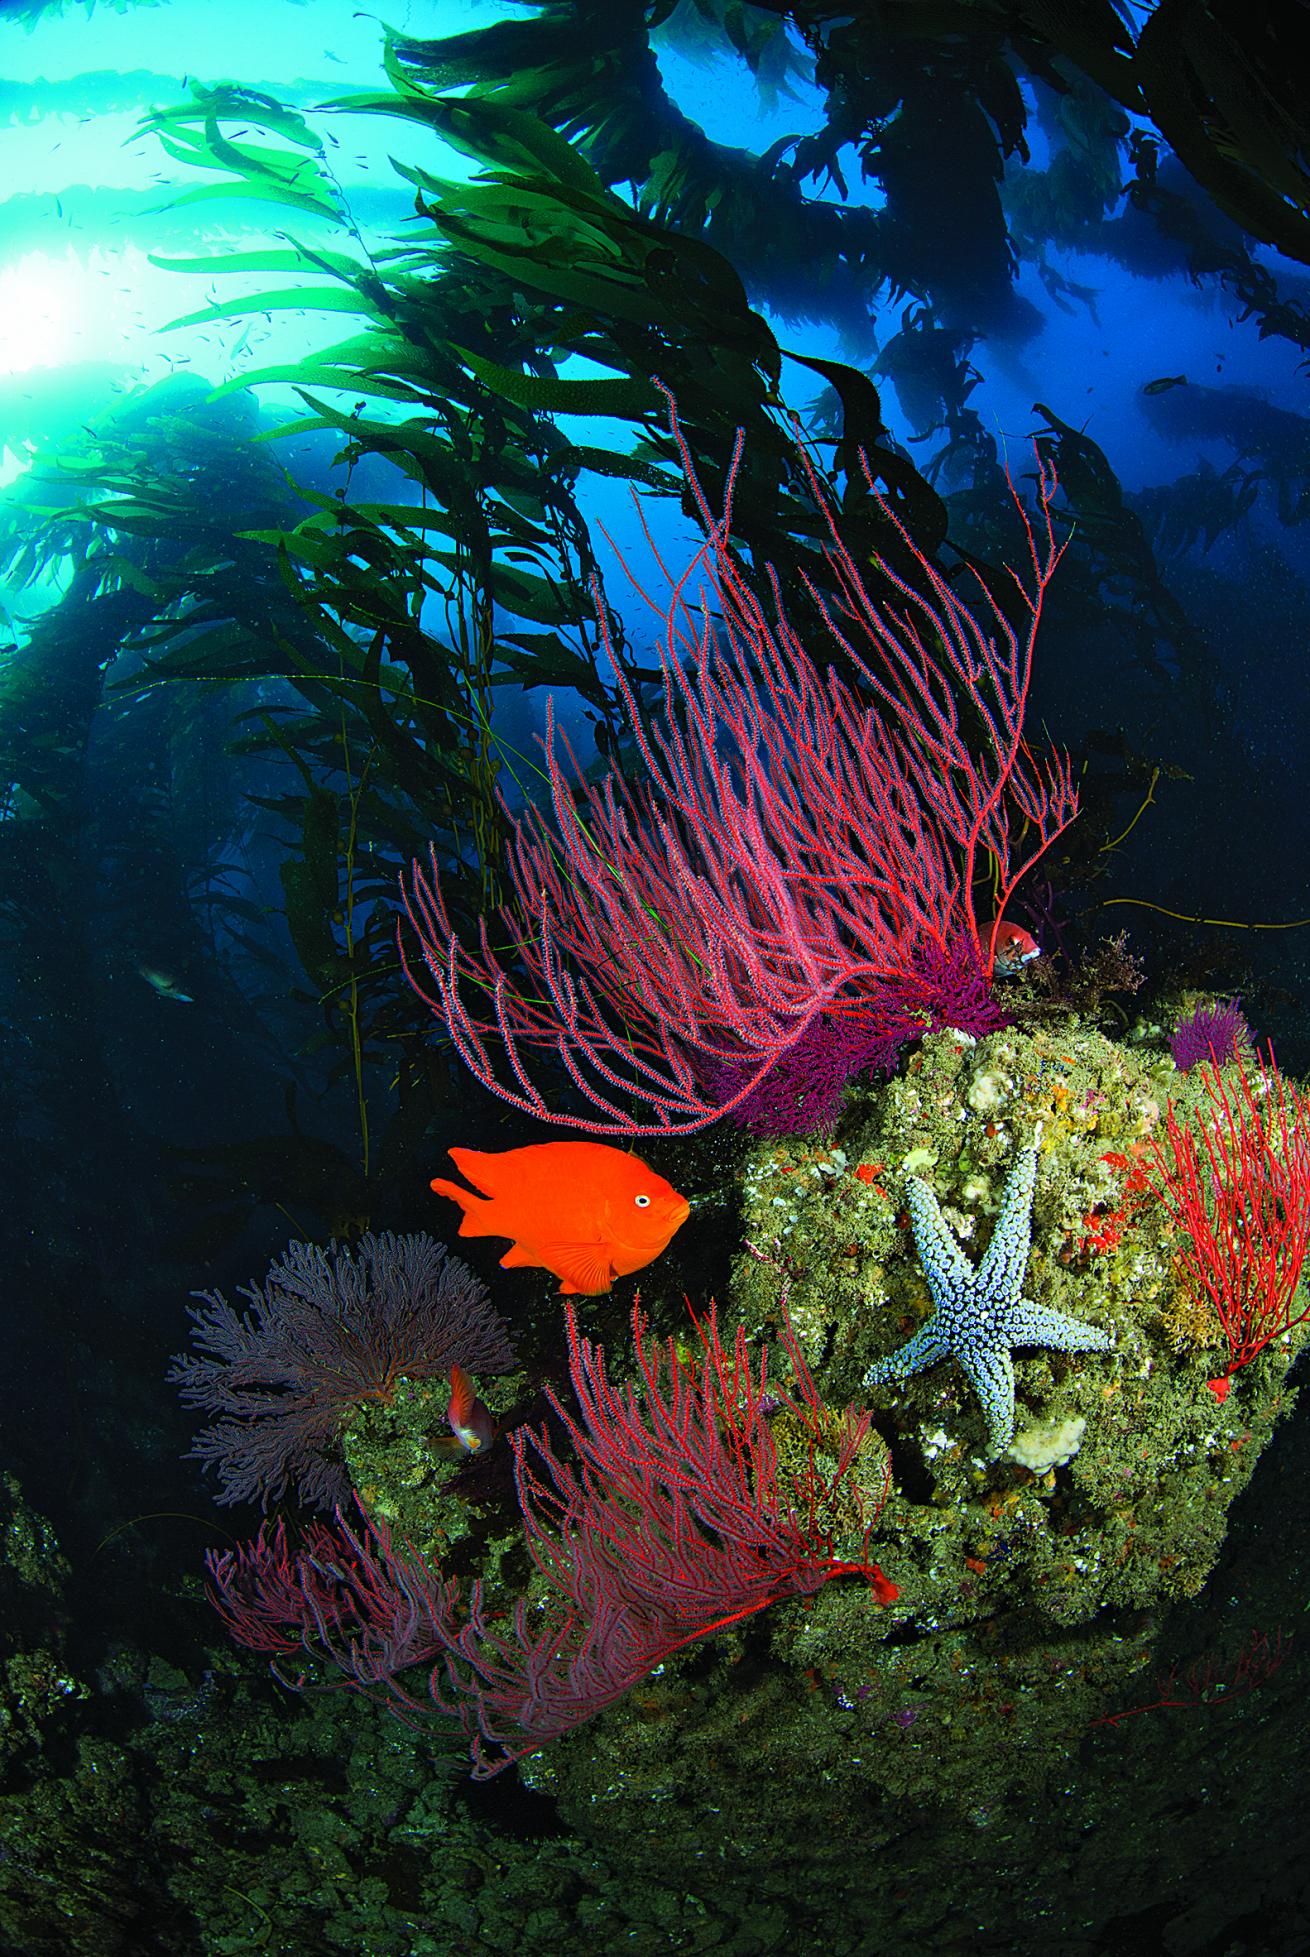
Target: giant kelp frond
column 30, row 11
column 591, row 74
column 473, row 322
column 931, row 101
column 290, row 170
column 376, row 619
column 167, row 599
column 1224, row 85
column 1112, row 555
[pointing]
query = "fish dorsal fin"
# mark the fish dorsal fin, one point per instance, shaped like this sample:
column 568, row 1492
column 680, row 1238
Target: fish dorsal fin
column 462, row 1397
column 478, row 1168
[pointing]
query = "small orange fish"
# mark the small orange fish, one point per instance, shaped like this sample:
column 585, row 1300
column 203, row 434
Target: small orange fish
column 1015, row 948
column 587, row 1212
column 472, row 1429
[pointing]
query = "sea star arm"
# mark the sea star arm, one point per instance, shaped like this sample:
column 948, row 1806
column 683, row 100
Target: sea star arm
column 924, row 1349
column 944, row 1264
column 990, row 1371
column 1001, row 1272
column 1030, row 1324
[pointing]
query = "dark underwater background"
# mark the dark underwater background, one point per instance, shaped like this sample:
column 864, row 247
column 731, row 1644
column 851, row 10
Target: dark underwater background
column 237, row 697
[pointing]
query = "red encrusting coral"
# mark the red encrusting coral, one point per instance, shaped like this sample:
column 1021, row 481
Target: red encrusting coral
column 1240, row 1195
column 675, row 1521
column 1104, row 1226
column 794, row 846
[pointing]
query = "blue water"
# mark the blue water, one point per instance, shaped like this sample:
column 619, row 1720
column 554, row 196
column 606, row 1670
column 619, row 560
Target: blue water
column 214, row 774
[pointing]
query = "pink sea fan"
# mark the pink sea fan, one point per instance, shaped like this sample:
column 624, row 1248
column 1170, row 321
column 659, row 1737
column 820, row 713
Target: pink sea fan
column 803, row 1093
column 790, row 845
column 325, row 1330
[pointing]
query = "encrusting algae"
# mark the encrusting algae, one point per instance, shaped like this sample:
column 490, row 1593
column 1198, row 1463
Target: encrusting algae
column 1031, row 1585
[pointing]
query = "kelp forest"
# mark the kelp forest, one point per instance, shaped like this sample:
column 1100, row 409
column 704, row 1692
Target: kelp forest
column 721, row 587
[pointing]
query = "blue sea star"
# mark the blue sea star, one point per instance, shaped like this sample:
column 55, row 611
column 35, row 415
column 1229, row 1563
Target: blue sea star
column 980, row 1312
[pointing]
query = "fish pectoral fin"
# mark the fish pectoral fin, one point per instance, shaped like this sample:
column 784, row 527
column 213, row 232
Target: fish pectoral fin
column 448, row 1446
column 585, row 1270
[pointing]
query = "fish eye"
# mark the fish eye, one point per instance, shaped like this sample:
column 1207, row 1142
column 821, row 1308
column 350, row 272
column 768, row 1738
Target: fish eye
column 642, row 1202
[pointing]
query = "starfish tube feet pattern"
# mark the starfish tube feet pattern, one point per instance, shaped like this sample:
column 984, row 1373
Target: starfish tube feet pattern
column 979, row 1313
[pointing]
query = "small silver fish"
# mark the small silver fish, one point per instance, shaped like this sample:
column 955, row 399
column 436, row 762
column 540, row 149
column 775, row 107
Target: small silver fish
column 164, row 984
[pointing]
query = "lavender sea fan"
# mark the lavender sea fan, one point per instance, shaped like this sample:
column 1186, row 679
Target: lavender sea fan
column 326, row 1330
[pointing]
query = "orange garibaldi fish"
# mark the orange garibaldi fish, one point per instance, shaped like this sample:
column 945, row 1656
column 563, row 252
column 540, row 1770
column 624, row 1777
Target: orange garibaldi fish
column 587, row 1212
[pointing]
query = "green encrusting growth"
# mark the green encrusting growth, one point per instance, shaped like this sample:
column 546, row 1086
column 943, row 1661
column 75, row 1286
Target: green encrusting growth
column 1032, row 1586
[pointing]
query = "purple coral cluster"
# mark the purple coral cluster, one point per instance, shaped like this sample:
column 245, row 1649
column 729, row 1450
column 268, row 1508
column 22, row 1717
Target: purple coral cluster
column 1217, row 1033
column 803, row 1092
column 325, row 1330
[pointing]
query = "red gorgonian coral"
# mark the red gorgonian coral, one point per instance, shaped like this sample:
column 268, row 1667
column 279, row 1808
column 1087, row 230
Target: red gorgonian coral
column 1236, row 1181
column 793, row 845
column 674, row 1519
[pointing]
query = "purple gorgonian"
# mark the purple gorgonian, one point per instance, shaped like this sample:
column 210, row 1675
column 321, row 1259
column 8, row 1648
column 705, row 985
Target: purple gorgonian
column 326, row 1330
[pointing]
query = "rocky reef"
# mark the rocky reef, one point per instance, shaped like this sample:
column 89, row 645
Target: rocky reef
column 822, row 1763
column 1033, row 1586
